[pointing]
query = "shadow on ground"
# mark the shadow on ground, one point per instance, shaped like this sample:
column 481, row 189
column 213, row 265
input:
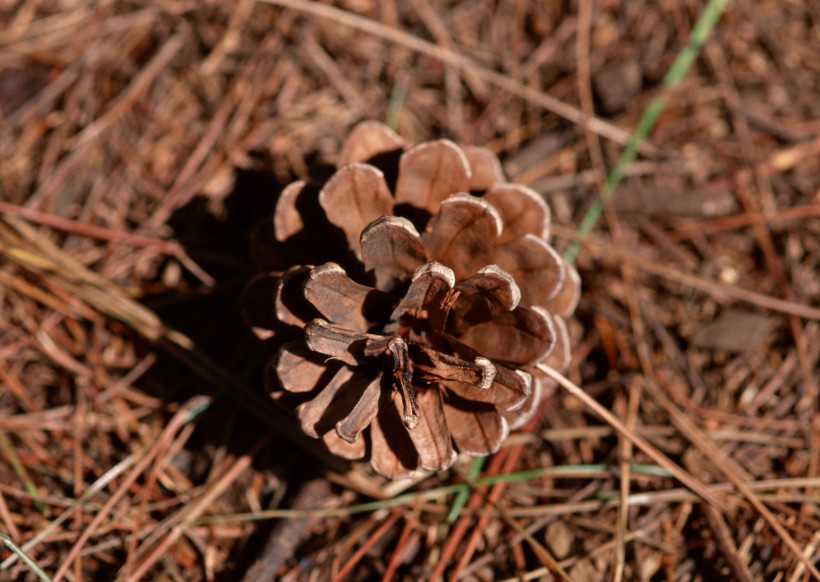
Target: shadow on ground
column 220, row 243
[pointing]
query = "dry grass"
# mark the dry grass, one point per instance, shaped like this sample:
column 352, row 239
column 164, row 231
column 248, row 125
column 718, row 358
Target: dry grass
column 140, row 143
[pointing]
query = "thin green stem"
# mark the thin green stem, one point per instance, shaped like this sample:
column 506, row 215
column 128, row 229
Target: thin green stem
column 571, row 471
column 20, row 469
column 24, row 557
column 464, row 492
column 677, row 71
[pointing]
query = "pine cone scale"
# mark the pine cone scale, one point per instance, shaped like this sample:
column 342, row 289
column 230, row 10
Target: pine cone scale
column 462, row 234
column 362, row 413
column 354, row 197
column 392, row 249
column 508, row 392
column 367, row 140
column 431, row 172
column 488, row 293
column 317, row 416
column 290, row 305
column 428, row 298
column 519, row 338
column 393, row 453
column 535, row 266
column 344, row 449
column 485, row 168
column 336, row 296
column 299, row 367
column 346, row 345
column 477, row 428
column 431, row 436
column 563, row 304
column 521, row 209
column 480, row 373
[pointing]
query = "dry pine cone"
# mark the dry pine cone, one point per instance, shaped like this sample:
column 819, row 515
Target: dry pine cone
column 425, row 343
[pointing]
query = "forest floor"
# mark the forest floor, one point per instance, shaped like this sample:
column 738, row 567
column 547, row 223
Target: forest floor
column 141, row 143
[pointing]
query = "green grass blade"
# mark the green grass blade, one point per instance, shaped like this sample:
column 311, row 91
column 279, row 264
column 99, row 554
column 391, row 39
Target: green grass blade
column 571, row 471
column 678, row 69
column 464, row 492
column 24, row 557
column 20, row 469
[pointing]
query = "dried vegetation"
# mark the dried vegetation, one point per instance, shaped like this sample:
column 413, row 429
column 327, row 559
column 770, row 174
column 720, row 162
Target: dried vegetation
column 141, row 144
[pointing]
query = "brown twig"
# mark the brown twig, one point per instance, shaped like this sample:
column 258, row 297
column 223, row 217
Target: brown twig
column 732, row 471
column 601, row 249
column 374, row 537
column 283, row 540
column 451, row 58
column 724, row 541
column 182, row 417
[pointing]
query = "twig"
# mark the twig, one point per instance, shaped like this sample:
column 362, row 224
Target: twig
column 395, row 515
column 582, row 47
column 543, row 554
column 724, row 541
column 17, row 552
column 286, row 535
column 70, row 509
column 600, row 249
column 415, row 43
column 696, row 486
column 186, row 413
column 123, row 104
column 169, row 247
column 727, row 467
column 676, row 72
column 190, row 510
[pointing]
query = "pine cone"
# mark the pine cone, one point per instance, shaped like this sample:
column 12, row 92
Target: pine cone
column 423, row 345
